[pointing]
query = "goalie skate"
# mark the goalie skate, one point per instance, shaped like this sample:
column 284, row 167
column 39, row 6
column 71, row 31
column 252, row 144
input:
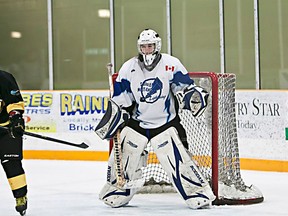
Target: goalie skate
column 201, row 198
column 116, row 197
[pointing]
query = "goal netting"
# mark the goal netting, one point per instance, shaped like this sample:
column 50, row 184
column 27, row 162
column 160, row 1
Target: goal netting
column 213, row 144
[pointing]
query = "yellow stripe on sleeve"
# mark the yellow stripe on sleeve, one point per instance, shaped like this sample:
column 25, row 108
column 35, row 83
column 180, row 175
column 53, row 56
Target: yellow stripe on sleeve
column 15, row 106
column 17, row 182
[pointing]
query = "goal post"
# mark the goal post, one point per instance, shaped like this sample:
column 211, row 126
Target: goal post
column 213, row 145
column 217, row 129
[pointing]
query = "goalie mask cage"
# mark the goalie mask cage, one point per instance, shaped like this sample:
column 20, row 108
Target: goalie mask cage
column 213, row 145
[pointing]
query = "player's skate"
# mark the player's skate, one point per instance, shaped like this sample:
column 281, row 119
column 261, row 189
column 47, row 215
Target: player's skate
column 116, row 197
column 201, row 198
column 21, row 205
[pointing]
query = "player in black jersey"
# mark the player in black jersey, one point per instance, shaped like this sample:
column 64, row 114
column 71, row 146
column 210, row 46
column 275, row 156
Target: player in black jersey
column 11, row 142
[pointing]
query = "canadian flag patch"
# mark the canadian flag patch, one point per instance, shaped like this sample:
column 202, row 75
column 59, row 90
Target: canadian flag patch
column 169, row 68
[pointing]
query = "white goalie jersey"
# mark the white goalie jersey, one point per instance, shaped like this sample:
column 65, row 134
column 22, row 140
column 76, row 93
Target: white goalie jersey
column 151, row 90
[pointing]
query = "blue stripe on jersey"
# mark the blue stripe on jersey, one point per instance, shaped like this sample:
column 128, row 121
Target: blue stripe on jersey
column 167, row 107
column 180, row 78
column 120, row 87
column 137, row 112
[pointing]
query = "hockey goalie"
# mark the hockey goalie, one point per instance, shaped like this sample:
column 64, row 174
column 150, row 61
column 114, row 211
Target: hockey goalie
column 149, row 91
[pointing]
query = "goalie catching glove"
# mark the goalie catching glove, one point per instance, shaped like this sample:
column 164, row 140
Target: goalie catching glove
column 114, row 119
column 193, row 98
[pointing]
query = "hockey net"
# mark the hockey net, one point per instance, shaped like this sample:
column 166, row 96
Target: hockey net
column 213, row 144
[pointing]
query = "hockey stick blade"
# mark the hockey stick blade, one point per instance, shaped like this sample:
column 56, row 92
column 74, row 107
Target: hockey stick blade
column 81, row 145
column 130, row 184
column 138, row 183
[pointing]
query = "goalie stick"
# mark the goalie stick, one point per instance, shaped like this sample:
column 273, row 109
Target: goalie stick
column 118, row 165
column 116, row 144
column 81, row 145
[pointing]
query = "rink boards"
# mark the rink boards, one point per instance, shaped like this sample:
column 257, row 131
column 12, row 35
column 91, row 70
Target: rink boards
column 262, row 125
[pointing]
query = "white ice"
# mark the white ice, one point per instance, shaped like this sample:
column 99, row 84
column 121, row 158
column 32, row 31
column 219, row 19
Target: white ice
column 71, row 188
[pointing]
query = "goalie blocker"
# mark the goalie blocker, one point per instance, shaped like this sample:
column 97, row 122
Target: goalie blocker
column 113, row 119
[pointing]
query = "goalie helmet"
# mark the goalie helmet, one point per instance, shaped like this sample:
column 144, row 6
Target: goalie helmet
column 149, row 36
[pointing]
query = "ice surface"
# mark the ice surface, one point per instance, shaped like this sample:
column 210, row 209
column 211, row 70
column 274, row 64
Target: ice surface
column 70, row 188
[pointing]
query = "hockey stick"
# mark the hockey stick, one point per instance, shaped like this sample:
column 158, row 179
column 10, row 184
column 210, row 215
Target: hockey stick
column 81, row 145
column 110, row 73
column 121, row 181
column 116, row 139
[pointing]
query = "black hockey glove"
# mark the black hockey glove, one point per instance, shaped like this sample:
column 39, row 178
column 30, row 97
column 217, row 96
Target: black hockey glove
column 17, row 125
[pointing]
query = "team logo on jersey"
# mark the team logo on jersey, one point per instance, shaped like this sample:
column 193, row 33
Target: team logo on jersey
column 151, row 90
column 15, row 92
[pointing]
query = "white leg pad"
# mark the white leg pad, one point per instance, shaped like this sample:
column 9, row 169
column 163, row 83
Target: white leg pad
column 184, row 174
column 133, row 147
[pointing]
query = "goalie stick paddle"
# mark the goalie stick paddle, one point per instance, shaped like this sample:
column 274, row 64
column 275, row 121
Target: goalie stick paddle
column 81, row 145
column 118, row 161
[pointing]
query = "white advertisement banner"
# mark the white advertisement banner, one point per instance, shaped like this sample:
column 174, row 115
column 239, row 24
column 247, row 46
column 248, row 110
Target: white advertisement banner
column 66, row 115
column 262, row 121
